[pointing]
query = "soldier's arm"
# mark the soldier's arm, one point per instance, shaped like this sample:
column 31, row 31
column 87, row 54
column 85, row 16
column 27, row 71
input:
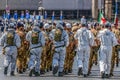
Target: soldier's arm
column 17, row 41
column 114, row 40
column 66, row 39
column 2, row 40
column 91, row 38
column 28, row 36
column 42, row 40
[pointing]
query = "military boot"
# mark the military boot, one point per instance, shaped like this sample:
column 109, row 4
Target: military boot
column 60, row 74
column 37, row 74
column 31, row 72
column 80, row 71
column 103, row 75
column 55, row 70
column 12, row 73
column 5, row 70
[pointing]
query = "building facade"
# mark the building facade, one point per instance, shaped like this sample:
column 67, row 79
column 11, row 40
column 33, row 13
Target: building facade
column 71, row 8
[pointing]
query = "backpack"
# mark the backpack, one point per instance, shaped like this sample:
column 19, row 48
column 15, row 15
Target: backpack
column 10, row 38
column 35, row 37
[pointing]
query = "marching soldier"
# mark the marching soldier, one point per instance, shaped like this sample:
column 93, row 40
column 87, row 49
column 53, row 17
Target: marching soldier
column 22, row 51
column 49, row 53
column 46, row 54
column 85, row 40
column 107, row 42
column 37, row 41
column 10, row 41
column 94, row 49
column 60, row 41
column 115, row 53
column 69, row 50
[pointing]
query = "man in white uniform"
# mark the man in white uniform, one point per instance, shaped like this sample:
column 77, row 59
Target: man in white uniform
column 107, row 42
column 85, row 40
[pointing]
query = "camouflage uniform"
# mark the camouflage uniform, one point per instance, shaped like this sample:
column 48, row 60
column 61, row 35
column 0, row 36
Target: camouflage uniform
column 22, row 54
column 115, row 54
column 69, row 51
column 93, row 52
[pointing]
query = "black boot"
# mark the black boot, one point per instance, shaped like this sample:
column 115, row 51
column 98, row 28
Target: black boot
column 20, row 72
column 102, row 74
column 65, row 72
column 80, row 71
column 24, row 69
column 107, row 76
column 55, row 70
column 37, row 74
column 42, row 72
column 70, row 71
column 85, row 75
column 12, row 73
column 31, row 72
column 5, row 70
column 60, row 74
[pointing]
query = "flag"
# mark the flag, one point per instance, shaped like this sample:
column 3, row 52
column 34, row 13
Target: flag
column 116, row 17
column 101, row 18
column 45, row 16
column 61, row 15
column 53, row 16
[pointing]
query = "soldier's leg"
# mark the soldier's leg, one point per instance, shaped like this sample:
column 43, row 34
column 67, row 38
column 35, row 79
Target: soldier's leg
column 19, row 64
column 90, row 61
column 108, row 61
column 112, row 63
column 66, row 63
column 7, row 61
column 43, row 63
column 55, row 63
column 13, row 64
column 61, row 62
column 95, row 57
column 116, row 57
column 71, row 63
column 86, row 61
column 37, row 66
column 31, row 64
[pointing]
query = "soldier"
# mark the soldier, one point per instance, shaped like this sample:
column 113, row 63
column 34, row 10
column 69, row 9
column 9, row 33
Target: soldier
column 60, row 41
column 22, row 51
column 94, row 49
column 36, row 41
column 48, row 44
column 69, row 51
column 46, row 50
column 107, row 41
column 85, row 40
column 10, row 42
column 115, row 53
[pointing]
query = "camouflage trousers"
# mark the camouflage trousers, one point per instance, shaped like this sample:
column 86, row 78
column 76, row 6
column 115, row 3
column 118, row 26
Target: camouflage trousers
column 69, row 59
column 115, row 58
column 93, row 58
column 22, row 60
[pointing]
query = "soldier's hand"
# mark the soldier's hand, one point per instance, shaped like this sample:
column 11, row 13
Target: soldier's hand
column 53, row 47
column 3, row 51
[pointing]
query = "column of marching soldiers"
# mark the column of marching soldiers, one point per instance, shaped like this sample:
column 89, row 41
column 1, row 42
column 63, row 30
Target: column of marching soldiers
column 41, row 46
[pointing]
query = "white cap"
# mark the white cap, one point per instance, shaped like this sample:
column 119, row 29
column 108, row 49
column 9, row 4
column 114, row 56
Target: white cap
column 68, row 25
column 46, row 26
column 59, row 26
